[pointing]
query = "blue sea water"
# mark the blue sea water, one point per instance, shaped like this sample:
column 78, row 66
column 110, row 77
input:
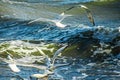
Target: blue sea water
column 92, row 52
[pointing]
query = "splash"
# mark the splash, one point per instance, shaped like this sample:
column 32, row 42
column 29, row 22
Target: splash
column 29, row 60
column 50, row 63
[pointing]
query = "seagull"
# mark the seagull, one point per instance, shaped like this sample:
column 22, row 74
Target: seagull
column 58, row 52
column 50, row 65
column 62, row 16
column 89, row 15
column 57, row 22
column 12, row 65
column 50, row 62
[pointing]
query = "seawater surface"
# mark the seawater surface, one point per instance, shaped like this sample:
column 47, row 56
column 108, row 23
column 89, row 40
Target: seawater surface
column 28, row 30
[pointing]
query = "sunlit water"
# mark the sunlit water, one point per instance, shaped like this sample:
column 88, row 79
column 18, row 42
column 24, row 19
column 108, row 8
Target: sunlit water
column 30, row 26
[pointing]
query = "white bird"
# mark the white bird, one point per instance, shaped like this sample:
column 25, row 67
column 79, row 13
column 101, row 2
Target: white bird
column 57, row 53
column 39, row 75
column 46, row 74
column 57, row 22
column 12, row 65
column 50, row 65
column 86, row 9
column 14, row 68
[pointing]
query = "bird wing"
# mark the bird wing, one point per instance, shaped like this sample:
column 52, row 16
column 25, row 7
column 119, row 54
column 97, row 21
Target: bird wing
column 40, row 19
column 88, row 14
column 57, row 53
column 69, row 9
column 86, row 9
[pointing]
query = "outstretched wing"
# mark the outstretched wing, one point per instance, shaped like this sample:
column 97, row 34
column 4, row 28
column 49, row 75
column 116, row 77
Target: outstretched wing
column 69, row 9
column 88, row 14
column 86, row 9
column 57, row 53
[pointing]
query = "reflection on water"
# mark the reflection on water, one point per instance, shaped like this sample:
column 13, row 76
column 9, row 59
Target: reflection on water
column 30, row 37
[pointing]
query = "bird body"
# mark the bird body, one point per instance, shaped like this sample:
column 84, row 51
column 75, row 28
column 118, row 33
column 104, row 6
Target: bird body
column 57, row 22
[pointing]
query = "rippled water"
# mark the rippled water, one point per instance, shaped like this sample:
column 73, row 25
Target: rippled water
column 28, row 29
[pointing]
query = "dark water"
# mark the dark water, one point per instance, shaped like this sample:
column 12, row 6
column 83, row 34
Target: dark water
column 93, row 52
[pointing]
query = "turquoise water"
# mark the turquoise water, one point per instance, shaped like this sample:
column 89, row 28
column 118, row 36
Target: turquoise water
column 93, row 52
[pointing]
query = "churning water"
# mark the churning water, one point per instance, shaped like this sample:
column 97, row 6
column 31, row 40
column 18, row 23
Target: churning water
column 33, row 33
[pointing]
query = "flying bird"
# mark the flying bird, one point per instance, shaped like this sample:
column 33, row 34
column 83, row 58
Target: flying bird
column 57, row 22
column 58, row 52
column 89, row 15
column 12, row 65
